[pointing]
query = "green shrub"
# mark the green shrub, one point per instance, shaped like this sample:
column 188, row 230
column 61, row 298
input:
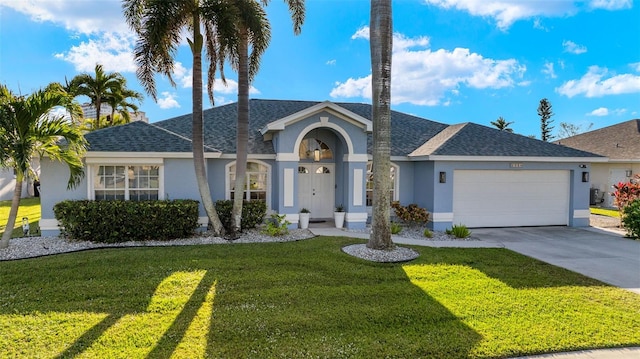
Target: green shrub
column 277, row 225
column 411, row 214
column 253, row 213
column 122, row 221
column 631, row 219
column 459, row 231
column 396, row 228
column 427, row 233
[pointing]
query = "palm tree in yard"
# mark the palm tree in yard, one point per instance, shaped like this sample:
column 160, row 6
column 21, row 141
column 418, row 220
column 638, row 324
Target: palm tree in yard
column 381, row 42
column 28, row 129
column 99, row 88
column 502, row 124
column 254, row 31
column 119, row 102
column 160, row 25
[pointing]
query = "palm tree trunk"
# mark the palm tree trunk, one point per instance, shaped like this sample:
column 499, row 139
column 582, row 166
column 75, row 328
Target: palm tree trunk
column 380, row 47
column 198, row 132
column 13, row 212
column 242, row 132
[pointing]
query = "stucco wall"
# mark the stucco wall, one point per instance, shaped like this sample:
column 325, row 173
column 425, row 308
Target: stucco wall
column 601, row 178
column 53, row 189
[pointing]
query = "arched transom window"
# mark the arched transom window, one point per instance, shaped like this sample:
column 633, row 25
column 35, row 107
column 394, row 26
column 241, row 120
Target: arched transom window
column 256, row 185
column 394, row 177
column 315, row 150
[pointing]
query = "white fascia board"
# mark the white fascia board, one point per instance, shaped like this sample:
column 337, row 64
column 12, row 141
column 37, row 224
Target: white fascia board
column 105, row 154
column 508, row 159
column 232, row 156
column 631, row 160
column 280, row 124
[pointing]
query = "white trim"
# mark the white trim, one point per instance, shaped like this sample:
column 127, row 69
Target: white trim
column 203, row 221
column 107, row 154
column 358, row 180
column 125, row 161
column 91, row 191
column 342, row 112
column 356, row 217
column 287, row 157
column 289, row 181
column 442, row 217
column 294, row 218
column 581, row 213
column 355, row 158
column 49, row 224
column 227, row 184
column 508, row 159
column 233, row 156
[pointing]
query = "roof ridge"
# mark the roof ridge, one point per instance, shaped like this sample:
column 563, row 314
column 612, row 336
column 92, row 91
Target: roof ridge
column 182, row 137
column 435, row 142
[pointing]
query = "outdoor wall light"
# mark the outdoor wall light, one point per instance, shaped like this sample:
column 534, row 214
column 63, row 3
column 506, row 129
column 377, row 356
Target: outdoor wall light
column 443, row 177
column 316, row 155
column 585, row 176
column 628, row 173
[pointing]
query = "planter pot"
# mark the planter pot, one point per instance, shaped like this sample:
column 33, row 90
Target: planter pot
column 338, row 218
column 304, row 220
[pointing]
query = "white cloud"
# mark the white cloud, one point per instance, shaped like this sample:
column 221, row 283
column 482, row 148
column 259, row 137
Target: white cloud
column 602, row 111
column 572, row 47
column 331, row 62
column 168, row 100
column 425, row 77
column 361, row 33
column 113, row 51
column 87, row 17
column 548, row 70
column 506, row 12
column 595, row 84
column 635, row 66
column 611, row 4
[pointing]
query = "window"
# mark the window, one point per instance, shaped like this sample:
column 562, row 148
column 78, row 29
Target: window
column 136, row 183
column 323, row 170
column 393, row 175
column 315, row 150
column 255, row 187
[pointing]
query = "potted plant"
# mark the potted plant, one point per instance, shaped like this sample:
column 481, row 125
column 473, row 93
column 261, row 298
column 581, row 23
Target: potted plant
column 304, row 218
column 338, row 216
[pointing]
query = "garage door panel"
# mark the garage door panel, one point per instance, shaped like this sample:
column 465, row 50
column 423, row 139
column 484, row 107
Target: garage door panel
column 510, row 198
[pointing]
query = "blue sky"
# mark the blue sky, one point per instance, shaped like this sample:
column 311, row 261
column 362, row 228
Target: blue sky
column 454, row 60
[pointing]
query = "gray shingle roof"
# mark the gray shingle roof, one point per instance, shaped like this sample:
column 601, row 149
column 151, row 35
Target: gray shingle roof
column 618, row 142
column 408, row 134
column 138, row 137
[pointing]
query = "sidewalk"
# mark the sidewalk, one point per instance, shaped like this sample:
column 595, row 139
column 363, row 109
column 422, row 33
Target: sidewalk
column 616, row 353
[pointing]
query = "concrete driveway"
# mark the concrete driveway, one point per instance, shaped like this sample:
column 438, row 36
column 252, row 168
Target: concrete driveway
column 595, row 253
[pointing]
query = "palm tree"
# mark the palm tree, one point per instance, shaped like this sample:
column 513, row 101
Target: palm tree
column 27, row 130
column 159, row 25
column 502, row 125
column 254, row 30
column 119, row 102
column 99, row 88
column 381, row 43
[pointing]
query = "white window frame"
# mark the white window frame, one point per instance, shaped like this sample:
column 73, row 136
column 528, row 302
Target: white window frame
column 228, row 185
column 93, row 166
column 396, row 181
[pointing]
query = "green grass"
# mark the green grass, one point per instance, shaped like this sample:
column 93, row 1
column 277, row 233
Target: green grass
column 304, row 299
column 29, row 207
column 605, row 212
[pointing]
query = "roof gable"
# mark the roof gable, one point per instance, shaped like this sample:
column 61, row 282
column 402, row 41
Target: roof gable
column 619, row 142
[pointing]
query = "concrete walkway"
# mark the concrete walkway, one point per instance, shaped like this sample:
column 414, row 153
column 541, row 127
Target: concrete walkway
column 597, row 253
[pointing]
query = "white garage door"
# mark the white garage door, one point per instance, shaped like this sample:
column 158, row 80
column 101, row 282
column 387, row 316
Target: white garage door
column 510, row 198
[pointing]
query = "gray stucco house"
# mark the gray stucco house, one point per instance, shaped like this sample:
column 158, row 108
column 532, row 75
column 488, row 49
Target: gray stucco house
column 317, row 155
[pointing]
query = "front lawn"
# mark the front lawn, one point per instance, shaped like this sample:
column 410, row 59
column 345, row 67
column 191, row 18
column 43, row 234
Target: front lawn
column 29, row 207
column 304, row 299
column 605, row 212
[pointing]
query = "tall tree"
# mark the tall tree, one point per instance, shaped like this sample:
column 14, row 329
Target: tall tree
column 120, row 103
column 100, row 87
column 570, row 129
column 545, row 112
column 160, row 26
column 255, row 32
column 28, row 129
column 502, row 124
column 381, row 44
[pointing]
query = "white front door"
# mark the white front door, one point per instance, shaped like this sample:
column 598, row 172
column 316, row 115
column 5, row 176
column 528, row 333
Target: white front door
column 316, row 188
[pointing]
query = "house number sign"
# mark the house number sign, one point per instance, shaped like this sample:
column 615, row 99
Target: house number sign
column 516, row 165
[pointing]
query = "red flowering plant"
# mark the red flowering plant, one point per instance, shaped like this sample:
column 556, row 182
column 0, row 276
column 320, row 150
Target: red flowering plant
column 626, row 192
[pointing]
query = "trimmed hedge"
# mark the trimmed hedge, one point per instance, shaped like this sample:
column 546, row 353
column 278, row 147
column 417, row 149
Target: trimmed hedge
column 122, row 221
column 631, row 219
column 253, row 213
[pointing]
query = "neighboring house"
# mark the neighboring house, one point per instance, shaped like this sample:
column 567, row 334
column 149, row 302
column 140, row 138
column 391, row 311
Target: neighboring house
column 317, row 155
column 621, row 144
column 8, row 182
